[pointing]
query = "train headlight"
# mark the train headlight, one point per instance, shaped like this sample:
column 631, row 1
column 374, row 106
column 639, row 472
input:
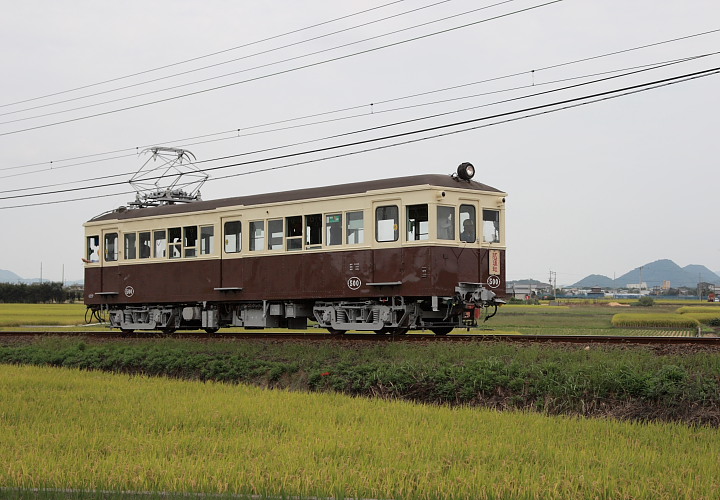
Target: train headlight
column 466, row 171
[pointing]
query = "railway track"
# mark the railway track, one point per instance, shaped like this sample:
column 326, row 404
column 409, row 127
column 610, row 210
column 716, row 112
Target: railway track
column 364, row 337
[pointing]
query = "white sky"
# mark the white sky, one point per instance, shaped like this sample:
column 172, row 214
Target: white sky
column 601, row 188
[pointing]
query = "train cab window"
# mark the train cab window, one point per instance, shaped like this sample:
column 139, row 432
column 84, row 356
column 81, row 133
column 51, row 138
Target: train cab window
column 294, row 232
column 92, row 253
column 144, row 244
column 257, row 235
column 333, row 229
column 190, row 236
column 446, row 223
column 313, row 231
column 207, row 239
column 160, row 244
column 467, row 224
column 175, row 242
column 387, row 223
column 275, row 234
column 130, row 246
column 491, row 226
column 355, row 228
column 111, row 247
column 233, row 236
column 417, row 222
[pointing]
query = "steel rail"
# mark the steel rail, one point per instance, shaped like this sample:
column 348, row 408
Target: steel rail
column 354, row 337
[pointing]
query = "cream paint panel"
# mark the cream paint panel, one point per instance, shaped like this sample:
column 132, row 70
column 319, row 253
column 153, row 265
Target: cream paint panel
column 366, row 202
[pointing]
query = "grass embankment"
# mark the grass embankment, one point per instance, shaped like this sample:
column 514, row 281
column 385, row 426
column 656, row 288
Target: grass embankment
column 600, row 381
column 15, row 315
column 67, row 429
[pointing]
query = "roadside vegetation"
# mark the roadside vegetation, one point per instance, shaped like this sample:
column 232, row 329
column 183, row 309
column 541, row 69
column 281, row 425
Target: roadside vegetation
column 629, row 383
column 68, row 430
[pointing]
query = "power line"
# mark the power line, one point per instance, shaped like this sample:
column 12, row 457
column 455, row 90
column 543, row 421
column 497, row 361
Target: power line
column 281, row 72
column 174, row 141
column 630, row 71
column 274, row 37
column 508, row 116
column 264, row 52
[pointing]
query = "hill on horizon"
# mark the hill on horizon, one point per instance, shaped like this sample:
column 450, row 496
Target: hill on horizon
column 654, row 274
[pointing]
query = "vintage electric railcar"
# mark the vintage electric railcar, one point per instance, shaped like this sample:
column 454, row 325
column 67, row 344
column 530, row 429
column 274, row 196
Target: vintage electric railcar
column 418, row 252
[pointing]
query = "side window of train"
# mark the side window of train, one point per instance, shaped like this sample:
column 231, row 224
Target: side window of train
column 130, row 246
column 175, row 242
column 467, row 224
column 418, row 226
column 446, row 223
column 144, row 244
column 386, row 223
column 313, row 230
column 233, row 236
column 355, row 228
column 275, row 234
column 190, row 236
column 93, row 249
column 294, row 232
column 491, row 226
column 160, row 246
column 207, row 239
column 333, row 229
column 257, row 235
column 111, row 247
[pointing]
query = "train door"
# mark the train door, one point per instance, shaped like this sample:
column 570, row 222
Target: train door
column 231, row 262
column 387, row 244
column 109, row 259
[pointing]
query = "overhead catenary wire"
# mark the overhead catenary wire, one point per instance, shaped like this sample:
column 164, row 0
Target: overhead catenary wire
column 277, row 73
column 506, row 116
column 52, row 163
column 628, row 72
column 223, row 51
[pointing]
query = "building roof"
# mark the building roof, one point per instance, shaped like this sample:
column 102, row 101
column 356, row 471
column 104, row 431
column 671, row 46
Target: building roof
column 437, row 180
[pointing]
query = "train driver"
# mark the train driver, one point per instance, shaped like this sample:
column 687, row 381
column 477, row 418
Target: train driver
column 468, row 232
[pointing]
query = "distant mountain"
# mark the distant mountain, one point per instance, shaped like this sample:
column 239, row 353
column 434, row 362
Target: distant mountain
column 9, row 277
column 655, row 274
column 528, row 282
column 595, row 280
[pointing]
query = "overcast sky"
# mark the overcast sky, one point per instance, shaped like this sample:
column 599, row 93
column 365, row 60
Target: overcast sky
column 602, row 187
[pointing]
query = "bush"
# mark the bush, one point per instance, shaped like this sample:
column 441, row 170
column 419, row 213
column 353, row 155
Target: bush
column 645, row 301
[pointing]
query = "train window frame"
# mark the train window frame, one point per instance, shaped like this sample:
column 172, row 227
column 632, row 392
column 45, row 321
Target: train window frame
column 417, row 218
column 293, row 233
column 491, row 225
column 355, row 227
column 129, row 246
column 206, row 239
column 257, row 236
column 445, row 222
column 236, row 233
column 160, row 244
column 174, row 242
column 388, row 224
column 333, row 229
column 467, row 234
column 313, row 231
column 92, row 249
column 275, row 242
column 144, row 244
column 190, row 241
column 110, row 247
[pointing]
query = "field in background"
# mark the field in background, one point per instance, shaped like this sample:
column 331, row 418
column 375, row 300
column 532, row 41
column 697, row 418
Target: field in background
column 65, row 428
column 575, row 318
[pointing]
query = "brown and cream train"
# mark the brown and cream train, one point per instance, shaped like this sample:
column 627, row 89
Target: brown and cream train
column 418, row 252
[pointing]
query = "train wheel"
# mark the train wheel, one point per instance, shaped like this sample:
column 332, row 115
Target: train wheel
column 126, row 332
column 333, row 331
column 400, row 331
column 169, row 331
column 212, row 330
column 441, row 330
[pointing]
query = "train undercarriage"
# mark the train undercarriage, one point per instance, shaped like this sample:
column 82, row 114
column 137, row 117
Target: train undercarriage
column 471, row 304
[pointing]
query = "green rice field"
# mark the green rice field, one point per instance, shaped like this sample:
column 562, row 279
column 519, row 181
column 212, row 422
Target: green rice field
column 66, row 429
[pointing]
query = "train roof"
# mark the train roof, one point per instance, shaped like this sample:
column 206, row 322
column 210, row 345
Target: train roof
column 436, row 180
